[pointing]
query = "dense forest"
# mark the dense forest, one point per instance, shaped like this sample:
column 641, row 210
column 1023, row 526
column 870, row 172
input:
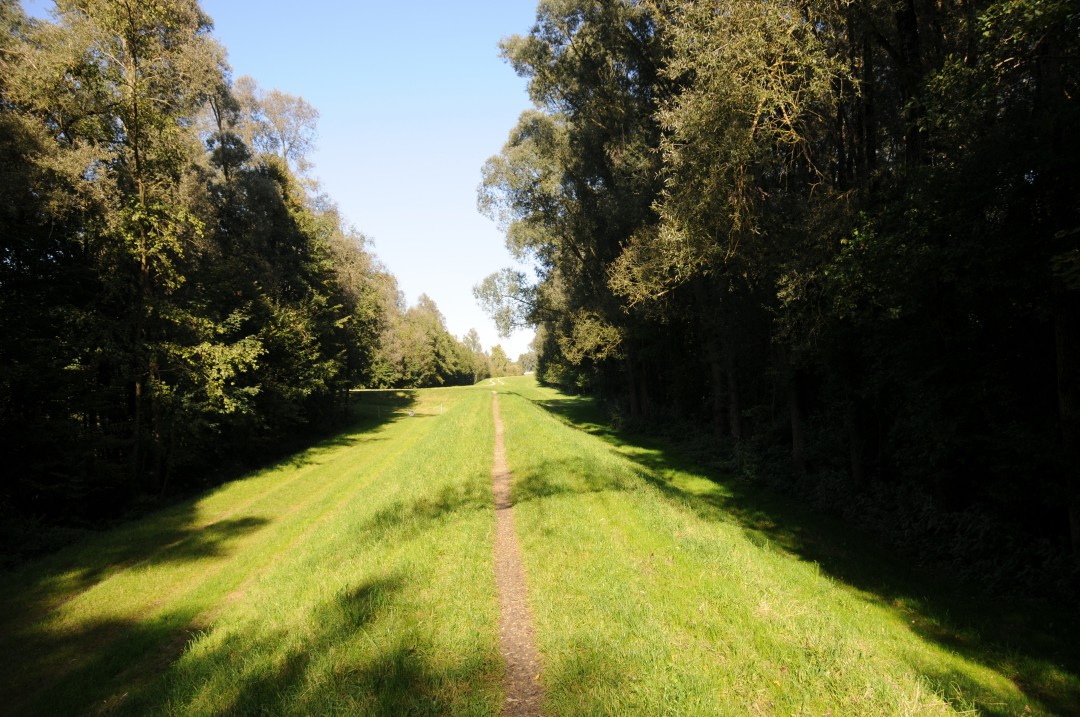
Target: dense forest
column 842, row 237
column 178, row 299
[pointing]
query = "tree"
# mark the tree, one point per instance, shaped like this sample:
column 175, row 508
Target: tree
column 527, row 362
column 478, row 360
column 576, row 180
column 277, row 123
column 417, row 351
column 500, row 363
column 855, row 224
column 143, row 70
column 174, row 304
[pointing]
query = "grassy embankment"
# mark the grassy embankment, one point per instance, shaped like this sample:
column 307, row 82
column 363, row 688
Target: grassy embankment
column 660, row 591
column 355, row 578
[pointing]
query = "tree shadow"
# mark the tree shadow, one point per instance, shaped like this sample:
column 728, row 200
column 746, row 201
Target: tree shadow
column 61, row 670
column 44, row 654
column 34, row 591
column 404, row 518
column 377, row 675
column 254, row 670
column 545, row 479
column 1034, row 643
column 148, row 664
column 151, row 665
column 30, row 591
column 377, row 406
column 367, row 411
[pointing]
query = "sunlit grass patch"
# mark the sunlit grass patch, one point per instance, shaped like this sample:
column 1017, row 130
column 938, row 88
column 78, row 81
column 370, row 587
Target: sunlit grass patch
column 355, row 578
column 660, row 591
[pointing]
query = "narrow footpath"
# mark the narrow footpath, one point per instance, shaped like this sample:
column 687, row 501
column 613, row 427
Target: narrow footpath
column 516, row 634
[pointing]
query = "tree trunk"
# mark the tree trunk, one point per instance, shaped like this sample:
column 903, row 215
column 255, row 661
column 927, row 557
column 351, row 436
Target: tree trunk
column 156, row 423
column 136, row 434
column 855, row 442
column 911, row 77
column 1067, row 335
column 733, row 403
column 716, row 383
column 868, row 125
column 798, row 427
column 714, row 355
column 645, row 400
column 632, row 388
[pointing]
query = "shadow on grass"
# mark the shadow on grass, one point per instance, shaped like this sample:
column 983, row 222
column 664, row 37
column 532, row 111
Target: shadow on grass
column 36, row 590
column 285, row 671
column 29, row 591
column 549, row 478
column 367, row 410
column 153, row 669
column 32, row 592
column 61, row 671
column 152, row 665
column 402, row 519
column 53, row 662
column 1034, row 644
column 147, row 664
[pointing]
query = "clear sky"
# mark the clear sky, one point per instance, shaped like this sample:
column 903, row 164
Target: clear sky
column 413, row 98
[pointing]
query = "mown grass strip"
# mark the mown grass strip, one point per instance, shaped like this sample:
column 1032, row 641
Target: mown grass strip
column 79, row 568
column 319, row 593
column 651, row 600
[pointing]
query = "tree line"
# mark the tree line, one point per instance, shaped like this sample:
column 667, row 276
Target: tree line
column 178, row 299
column 845, row 236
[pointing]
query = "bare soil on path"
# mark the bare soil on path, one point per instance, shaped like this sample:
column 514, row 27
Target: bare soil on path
column 516, row 634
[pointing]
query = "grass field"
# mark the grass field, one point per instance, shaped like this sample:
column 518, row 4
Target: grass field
column 660, row 591
column 352, row 579
column 356, row 578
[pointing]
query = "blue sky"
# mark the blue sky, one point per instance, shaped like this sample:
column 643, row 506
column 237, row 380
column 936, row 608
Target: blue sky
column 413, row 98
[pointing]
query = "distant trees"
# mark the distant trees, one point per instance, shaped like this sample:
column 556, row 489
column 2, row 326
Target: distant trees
column 417, row 351
column 479, row 362
column 500, row 363
column 527, row 361
column 845, row 229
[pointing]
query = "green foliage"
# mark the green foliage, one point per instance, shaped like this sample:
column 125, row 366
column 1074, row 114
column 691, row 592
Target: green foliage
column 507, row 299
column 844, row 232
column 577, row 177
column 417, row 351
column 175, row 300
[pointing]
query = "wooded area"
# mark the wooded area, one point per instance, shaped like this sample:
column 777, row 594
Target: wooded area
column 845, row 235
column 178, row 298
column 843, row 238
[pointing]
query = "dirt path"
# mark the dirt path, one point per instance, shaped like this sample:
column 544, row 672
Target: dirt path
column 516, row 640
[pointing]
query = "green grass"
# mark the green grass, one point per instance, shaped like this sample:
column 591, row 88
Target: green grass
column 353, row 579
column 658, row 590
column 356, row 578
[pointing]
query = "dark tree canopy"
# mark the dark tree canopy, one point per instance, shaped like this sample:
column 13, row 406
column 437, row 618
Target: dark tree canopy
column 844, row 231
